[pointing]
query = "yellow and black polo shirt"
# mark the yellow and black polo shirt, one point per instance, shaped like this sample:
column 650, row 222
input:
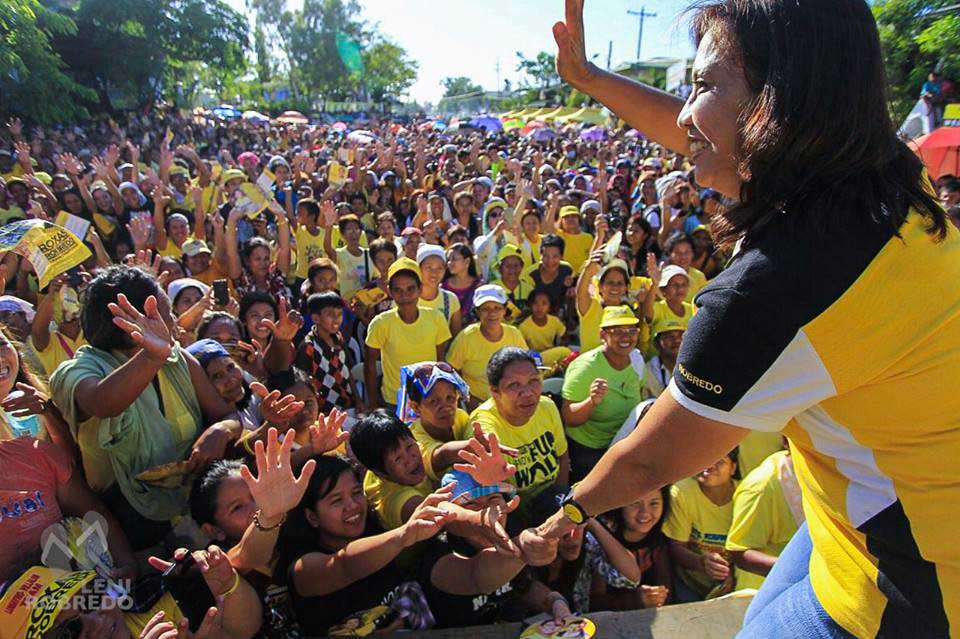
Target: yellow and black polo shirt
column 852, row 349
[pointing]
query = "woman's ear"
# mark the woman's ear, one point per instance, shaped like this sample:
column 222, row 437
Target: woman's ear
column 311, row 517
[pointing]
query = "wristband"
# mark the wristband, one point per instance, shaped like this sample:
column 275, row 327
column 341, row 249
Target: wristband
column 262, row 528
column 233, row 588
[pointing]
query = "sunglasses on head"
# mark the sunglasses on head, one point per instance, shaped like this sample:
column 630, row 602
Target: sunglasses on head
column 423, row 373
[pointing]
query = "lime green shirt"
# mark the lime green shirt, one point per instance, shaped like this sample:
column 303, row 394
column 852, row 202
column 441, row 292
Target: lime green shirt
column 623, row 394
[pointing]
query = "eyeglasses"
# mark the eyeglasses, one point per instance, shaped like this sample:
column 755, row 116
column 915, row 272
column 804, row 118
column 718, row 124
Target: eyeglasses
column 618, row 331
column 494, row 214
column 422, row 373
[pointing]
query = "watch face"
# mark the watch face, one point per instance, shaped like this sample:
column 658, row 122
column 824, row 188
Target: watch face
column 573, row 513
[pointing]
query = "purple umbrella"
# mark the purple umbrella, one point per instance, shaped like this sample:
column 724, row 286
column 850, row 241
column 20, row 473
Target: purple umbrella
column 633, row 133
column 487, row 122
column 542, row 135
column 594, row 134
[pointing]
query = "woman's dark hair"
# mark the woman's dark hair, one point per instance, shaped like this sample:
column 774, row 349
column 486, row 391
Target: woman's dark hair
column 251, row 245
column 374, row 436
column 613, row 520
column 212, row 317
column 256, row 297
column 206, row 486
column 539, row 292
column 552, row 240
column 379, row 245
column 678, row 237
column 319, row 301
column 503, row 358
column 816, row 142
column 466, row 252
column 84, row 211
column 96, row 320
column 297, row 535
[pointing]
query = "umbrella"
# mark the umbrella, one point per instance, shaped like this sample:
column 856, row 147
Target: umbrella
column 541, row 135
column 633, row 133
column 940, row 151
column 487, row 122
column 362, row 136
column 513, row 124
column 226, row 111
column 439, row 126
column 339, row 126
column 293, row 117
column 594, row 134
column 256, row 117
column 532, row 126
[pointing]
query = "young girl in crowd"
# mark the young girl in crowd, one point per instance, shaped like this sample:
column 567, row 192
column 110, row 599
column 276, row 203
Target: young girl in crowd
column 462, row 278
column 701, row 511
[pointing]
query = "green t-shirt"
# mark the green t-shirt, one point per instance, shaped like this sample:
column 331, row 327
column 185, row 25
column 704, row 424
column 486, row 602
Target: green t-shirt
column 623, row 393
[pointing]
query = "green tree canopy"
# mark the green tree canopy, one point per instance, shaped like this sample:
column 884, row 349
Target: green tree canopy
column 542, row 69
column 916, row 39
column 459, row 86
column 389, row 72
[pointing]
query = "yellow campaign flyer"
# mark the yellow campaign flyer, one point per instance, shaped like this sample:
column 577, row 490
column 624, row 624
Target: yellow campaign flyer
column 50, row 248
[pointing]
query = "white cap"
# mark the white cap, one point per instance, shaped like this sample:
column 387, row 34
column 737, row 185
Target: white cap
column 176, row 286
column 489, row 293
column 430, row 250
column 13, row 304
column 591, row 204
column 669, row 272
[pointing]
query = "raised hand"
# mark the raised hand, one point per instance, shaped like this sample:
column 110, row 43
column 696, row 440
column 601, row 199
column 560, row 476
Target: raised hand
column 288, row 325
column 15, row 126
column 525, row 189
column 653, row 271
column 32, row 402
column 72, row 164
column 537, row 549
column 23, row 155
column 484, row 459
column 149, row 262
column 111, row 155
column 147, row 329
column 139, row 232
column 428, row 518
column 572, row 63
column 328, row 213
column 274, row 408
column 328, row 434
column 275, row 488
column 494, row 531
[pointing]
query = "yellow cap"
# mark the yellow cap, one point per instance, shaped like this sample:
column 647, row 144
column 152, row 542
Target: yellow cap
column 231, row 174
column 666, row 324
column 569, row 210
column 618, row 316
column 32, row 603
column 403, row 264
column 508, row 250
column 176, row 169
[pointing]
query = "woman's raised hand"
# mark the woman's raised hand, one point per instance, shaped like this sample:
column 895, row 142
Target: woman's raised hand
column 572, row 63
column 148, row 330
column 275, row 488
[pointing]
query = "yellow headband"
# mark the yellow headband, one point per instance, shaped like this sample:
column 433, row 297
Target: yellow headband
column 31, row 605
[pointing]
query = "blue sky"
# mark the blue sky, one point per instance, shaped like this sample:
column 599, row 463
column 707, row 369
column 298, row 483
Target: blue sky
column 467, row 37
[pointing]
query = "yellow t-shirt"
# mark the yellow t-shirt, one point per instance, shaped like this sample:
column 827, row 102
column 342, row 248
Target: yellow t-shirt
column 761, row 517
column 540, row 442
column 470, row 352
column 355, row 271
column 662, row 311
column 387, row 498
column 446, row 302
column 171, row 249
column 697, row 281
column 590, row 326
column 461, row 430
column 530, row 250
column 756, row 447
column 576, row 249
column 59, row 349
column 401, row 344
column 310, row 247
column 137, row 621
column 694, row 518
column 540, row 338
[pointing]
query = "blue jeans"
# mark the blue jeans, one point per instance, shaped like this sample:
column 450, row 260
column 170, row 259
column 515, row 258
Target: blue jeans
column 785, row 606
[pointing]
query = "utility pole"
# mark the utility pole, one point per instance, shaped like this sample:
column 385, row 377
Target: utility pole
column 641, row 14
column 609, row 54
column 498, row 76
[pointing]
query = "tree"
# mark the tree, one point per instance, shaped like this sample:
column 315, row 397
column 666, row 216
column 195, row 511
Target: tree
column 132, row 51
column 542, row 69
column 34, row 82
column 459, row 86
column 915, row 42
column 389, row 73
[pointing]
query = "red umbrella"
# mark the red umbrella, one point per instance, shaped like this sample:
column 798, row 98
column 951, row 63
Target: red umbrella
column 531, row 126
column 940, row 151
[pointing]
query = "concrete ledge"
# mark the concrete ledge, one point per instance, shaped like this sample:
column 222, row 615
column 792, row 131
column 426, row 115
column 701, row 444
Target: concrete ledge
column 715, row 619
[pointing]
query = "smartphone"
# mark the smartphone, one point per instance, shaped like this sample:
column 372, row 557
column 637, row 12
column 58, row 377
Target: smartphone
column 74, row 279
column 221, row 294
column 187, row 587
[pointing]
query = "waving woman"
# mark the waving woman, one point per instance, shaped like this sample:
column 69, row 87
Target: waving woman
column 788, row 118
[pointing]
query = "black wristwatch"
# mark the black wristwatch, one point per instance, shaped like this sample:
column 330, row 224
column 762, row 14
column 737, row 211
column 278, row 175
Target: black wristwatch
column 573, row 511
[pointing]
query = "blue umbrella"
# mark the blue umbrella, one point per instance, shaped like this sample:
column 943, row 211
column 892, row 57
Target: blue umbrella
column 542, row 135
column 487, row 122
column 226, row 111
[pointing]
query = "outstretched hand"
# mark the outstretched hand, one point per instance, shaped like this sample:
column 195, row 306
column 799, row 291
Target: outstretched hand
column 274, row 408
column 328, row 434
column 484, row 459
column 286, row 328
column 148, row 330
column 275, row 488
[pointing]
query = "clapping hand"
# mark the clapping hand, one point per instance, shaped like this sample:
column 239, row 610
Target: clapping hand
column 275, row 488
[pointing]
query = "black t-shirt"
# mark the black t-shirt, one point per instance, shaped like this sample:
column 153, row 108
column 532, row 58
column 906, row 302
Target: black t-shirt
column 457, row 611
column 317, row 615
column 557, row 289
